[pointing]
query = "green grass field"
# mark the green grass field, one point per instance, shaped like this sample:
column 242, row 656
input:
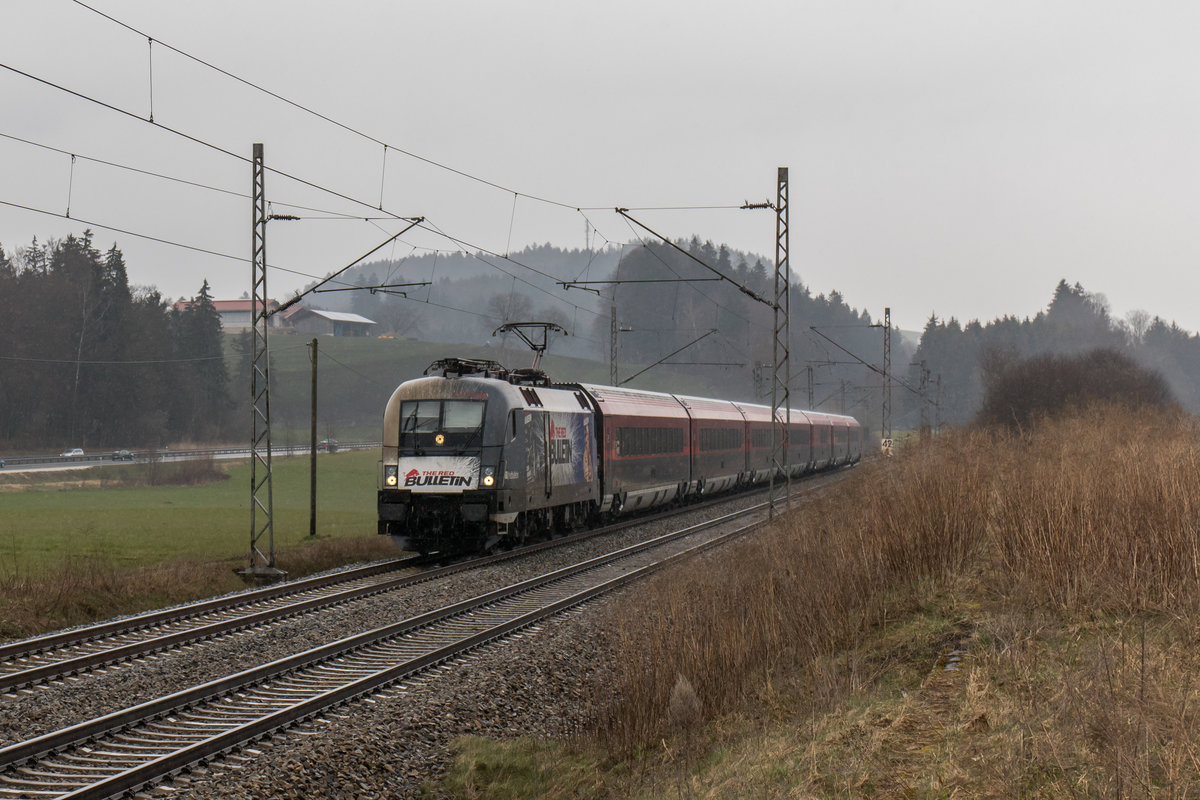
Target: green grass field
column 147, row 526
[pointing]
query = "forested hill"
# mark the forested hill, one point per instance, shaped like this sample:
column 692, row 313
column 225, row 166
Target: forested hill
column 85, row 358
column 1074, row 321
column 471, row 295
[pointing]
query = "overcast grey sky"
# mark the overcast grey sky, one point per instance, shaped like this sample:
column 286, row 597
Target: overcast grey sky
column 946, row 157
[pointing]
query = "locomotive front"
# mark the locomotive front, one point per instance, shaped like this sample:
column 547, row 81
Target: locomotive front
column 442, row 447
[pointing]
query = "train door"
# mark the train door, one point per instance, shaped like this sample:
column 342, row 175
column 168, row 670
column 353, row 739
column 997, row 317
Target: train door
column 547, row 458
column 537, row 472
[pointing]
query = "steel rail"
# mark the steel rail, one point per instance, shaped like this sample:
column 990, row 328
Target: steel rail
column 13, row 679
column 92, row 731
column 23, row 648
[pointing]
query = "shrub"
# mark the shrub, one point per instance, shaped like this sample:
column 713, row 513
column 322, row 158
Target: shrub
column 1017, row 394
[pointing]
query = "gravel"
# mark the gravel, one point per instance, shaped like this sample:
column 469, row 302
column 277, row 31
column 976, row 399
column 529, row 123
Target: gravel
column 388, row 746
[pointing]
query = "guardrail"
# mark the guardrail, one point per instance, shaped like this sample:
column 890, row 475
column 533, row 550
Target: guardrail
column 175, row 455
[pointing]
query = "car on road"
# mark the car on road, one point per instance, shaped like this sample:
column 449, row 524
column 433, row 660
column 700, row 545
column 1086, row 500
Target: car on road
column 327, row 446
column 122, row 455
column 1, row 463
column 74, row 451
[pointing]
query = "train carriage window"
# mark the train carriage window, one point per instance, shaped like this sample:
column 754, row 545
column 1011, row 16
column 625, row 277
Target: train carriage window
column 649, row 441
column 760, row 437
column 720, row 439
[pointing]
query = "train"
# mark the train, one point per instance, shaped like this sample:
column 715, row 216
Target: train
column 476, row 456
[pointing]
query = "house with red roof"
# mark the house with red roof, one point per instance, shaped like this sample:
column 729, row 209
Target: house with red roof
column 235, row 314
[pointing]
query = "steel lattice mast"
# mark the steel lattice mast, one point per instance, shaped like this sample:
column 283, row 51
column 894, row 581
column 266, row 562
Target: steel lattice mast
column 262, row 521
column 887, row 381
column 781, row 414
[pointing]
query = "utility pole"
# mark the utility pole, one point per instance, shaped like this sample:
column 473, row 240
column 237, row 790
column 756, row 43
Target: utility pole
column 780, row 391
column 262, row 522
column 886, row 444
column 312, row 489
column 810, row 386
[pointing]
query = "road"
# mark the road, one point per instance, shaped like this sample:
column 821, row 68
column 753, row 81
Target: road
column 56, row 462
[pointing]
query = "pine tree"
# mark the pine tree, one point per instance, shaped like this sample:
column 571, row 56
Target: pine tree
column 202, row 410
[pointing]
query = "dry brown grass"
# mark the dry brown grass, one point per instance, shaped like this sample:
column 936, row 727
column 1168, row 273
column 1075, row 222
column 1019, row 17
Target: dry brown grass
column 1065, row 561
column 82, row 590
column 815, row 584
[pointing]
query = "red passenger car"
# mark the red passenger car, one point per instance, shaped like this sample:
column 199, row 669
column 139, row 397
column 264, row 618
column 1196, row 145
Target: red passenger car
column 646, row 447
column 718, row 446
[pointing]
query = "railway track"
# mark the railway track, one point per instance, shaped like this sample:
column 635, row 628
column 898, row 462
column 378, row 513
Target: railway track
column 126, row 750
column 28, row 662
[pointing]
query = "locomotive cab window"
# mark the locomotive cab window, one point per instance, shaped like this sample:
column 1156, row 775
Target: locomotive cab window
column 461, row 415
column 440, row 423
column 420, row 416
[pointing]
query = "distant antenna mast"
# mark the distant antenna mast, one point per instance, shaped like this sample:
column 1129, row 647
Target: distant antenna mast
column 537, row 343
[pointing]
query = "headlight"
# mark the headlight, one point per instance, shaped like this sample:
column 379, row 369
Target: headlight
column 488, row 478
column 440, row 438
column 391, row 475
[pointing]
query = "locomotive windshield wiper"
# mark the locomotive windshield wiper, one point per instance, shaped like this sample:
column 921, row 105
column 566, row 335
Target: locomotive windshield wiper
column 410, row 427
column 463, row 447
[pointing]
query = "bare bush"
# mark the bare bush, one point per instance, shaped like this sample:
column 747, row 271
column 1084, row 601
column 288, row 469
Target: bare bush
column 1017, row 394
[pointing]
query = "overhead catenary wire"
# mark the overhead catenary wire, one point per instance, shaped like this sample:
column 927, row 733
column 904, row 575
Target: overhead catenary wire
column 244, row 159
column 326, row 355
column 741, row 287
column 282, row 173
column 388, row 145
column 464, row 247
column 285, row 174
column 159, row 240
column 125, row 231
column 301, row 107
column 697, row 289
column 189, row 137
column 187, row 182
column 333, row 215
